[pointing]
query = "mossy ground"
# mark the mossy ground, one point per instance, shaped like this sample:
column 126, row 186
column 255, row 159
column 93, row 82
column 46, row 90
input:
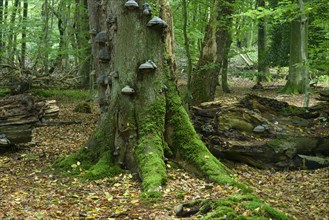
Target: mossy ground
column 238, row 206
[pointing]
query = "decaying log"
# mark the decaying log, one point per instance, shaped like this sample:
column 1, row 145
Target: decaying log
column 19, row 114
column 265, row 133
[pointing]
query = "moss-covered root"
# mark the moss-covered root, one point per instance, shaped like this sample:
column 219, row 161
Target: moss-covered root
column 188, row 147
column 81, row 163
column 238, row 206
column 149, row 152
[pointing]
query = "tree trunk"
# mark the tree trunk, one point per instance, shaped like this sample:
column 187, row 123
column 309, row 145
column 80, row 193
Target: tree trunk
column 81, row 40
column 224, row 39
column 205, row 78
column 144, row 121
column 1, row 33
column 188, row 53
column 262, row 65
column 23, row 52
column 225, row 63
column 12, row 34
column 297, row 83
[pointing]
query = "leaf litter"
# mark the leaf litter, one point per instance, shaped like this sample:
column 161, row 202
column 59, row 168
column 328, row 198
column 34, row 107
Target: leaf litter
column 31, row 190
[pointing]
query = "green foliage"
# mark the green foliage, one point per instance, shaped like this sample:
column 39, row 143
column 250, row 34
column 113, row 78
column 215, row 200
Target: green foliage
column 63, row 95
column 240, row 206
column 4, row 92
column 150, row 197
column 197, row 12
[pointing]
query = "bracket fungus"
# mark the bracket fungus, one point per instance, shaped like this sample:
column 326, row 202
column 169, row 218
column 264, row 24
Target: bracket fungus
column 104, row 80
column 101, row 38
column 147, row 9
column 104, row 55
column 93, row 32
column 127, row 90
column 147, row 67
column 157, row 23
column 131, row 5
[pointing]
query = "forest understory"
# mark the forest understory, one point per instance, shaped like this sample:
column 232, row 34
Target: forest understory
column 31, row 190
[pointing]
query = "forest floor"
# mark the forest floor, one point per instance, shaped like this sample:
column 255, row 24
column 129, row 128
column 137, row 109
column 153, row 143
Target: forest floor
column 29, row 189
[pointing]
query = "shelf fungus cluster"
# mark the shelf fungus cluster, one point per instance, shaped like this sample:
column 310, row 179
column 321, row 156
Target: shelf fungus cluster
column 147, row 67
column 147, row 10
column 101, row 39
column 104, row 55
column 131, row 5
column 127, row 90
column 157, row 23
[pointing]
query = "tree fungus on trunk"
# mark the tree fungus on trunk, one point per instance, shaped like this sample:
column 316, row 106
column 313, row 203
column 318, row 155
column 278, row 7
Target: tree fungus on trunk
column 144, row 121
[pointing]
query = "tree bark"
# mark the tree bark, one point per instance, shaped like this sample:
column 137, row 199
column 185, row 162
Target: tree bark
column 188, row 53
column 139, row 130
column 1, row 33
column 205, row 77
column 262, row 65
column 23, row 52
column 297, row 83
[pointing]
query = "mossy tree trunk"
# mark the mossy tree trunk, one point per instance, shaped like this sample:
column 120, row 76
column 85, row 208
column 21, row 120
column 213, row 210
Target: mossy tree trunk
column 298, row 75
column 139, row 130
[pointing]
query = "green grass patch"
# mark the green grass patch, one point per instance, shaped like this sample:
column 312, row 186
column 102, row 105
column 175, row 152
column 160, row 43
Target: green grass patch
column 151, row 197
column 4, row 92
column 69, row 95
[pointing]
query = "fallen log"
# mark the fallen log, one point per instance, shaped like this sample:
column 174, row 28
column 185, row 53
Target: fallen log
column 265, row 133
column 18, row 116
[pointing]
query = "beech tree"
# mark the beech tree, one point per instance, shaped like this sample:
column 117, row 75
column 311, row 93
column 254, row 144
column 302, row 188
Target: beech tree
column 143, row 121
column 298, row 78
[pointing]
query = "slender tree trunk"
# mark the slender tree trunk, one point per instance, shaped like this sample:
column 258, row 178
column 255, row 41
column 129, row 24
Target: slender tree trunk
column 188, row 53
column 45, row 37
column 81, row 40
column 224, row 39
column 262, row 65
column 303, row 51
column 298, row 75
column 23, row 50
column 224, row 68
column 12, row 34
column 1, row 33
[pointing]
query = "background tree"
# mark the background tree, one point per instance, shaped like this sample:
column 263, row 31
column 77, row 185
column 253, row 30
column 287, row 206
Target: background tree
column 298, row 74
column 262, row 46
column 31, row 43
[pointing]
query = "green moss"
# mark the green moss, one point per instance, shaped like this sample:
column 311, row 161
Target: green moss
column 187, row 146
column 149, row 152
column 221, row 212
column 150, row 197
column 274, row 214
column 4, row 92
column 251, row 205
column 236, row 206
column 67, row 95
column 103, row 168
